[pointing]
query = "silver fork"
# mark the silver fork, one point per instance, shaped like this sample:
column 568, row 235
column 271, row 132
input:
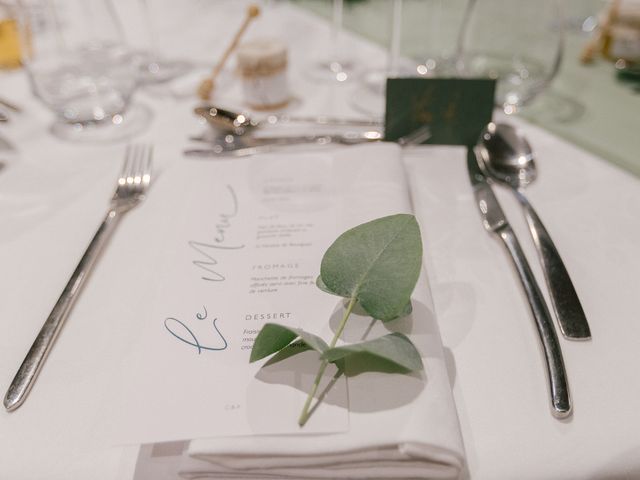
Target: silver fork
column 133, row 183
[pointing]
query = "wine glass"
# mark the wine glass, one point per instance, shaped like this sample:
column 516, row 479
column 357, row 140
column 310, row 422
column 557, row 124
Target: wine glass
column 339, row 65
column 369, row 96
column 519, row 43
column 422, row 50
column 153, row 67
column 79, row 67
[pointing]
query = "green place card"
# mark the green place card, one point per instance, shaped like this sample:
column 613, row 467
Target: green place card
column 456, row 109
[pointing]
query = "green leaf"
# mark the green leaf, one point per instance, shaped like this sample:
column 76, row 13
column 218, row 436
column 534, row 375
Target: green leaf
column 378, row 263
column 320, row 284
column 274, row 337
column 394, row 347
column 358, row 310
column 290, row 350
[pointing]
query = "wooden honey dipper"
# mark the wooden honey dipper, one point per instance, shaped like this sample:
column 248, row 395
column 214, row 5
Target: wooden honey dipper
column 598, row 42
column 206, row 86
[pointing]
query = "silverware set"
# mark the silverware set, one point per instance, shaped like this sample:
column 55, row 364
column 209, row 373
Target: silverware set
column 508, row 159
column 236, row 134
column 131, row 188
column 241, row 123
column 243, row 145
column 503, row 154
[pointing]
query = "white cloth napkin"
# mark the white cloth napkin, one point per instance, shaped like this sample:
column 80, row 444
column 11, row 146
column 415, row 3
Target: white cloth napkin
column 400, row 426
column 418, row 440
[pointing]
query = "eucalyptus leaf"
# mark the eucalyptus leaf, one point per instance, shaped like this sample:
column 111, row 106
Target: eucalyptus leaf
column 290, row 350
column 406, row 311
column 358, row 310
column 378, row 263
column 375, row 266
column 274, row 337
column 394, row 347
column 320, row 284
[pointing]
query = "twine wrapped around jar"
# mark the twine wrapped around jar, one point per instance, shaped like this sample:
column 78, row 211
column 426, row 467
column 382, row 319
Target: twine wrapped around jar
column 262, row 65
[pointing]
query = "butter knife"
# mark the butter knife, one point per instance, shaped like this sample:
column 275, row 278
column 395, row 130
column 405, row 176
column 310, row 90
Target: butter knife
column 241, row 146
column 495, row 221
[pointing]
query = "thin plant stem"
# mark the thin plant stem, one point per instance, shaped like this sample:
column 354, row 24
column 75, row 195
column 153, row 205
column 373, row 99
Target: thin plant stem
column 304, row 415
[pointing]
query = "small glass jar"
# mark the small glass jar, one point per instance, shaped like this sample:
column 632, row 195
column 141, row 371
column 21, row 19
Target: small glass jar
column 262, row 65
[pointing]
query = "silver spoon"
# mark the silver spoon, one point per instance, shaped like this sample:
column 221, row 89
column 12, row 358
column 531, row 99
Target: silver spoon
column 507, row 157
column 241, row 123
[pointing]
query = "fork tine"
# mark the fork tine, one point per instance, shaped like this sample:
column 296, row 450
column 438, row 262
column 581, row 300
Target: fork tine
column 126, row 166
column 146, row 174
column 136, row 170
column 135, row 173
column 143, row 170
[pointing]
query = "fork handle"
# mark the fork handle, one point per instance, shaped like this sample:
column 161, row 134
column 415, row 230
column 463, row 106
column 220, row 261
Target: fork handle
column 37, row 355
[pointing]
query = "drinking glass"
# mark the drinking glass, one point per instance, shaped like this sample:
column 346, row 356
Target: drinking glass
column 517, row 42
column 421, row 44
column 153, row 66
column 79, row 67
column 339, row 65
column 369, row 97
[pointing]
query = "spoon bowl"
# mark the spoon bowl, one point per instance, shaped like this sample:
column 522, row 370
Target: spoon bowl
column 507, row 156
column 226, row 120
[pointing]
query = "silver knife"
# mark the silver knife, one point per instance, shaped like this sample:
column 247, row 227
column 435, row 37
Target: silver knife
column 495, row 221
column 244, row 145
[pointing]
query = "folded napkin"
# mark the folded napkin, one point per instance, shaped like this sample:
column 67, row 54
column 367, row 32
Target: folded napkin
column 420, row 439
column 400, row 426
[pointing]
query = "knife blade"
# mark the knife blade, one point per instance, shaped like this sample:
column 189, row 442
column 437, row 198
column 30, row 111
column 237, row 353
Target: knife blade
column 496, row 222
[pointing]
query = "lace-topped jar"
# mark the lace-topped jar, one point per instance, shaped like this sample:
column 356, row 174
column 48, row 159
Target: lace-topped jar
column 262, row 65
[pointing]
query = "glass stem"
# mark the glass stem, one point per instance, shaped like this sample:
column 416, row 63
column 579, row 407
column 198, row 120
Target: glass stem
column 151, row 30
column 336, row 30
column 396, row 35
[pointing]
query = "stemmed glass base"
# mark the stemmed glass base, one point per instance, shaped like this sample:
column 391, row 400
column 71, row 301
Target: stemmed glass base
column 152, row 69
column 335, row 70
column 118, row 127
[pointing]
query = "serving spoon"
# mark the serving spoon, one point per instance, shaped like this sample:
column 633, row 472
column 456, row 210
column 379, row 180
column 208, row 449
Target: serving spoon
column 241, row 123
column 507, row 157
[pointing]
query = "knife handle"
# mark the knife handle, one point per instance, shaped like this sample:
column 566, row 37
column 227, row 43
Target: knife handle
column 558, row 385
column 571, row 318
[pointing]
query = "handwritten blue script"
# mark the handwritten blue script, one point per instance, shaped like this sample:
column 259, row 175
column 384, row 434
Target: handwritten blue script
column 206, row 260
column 185, row 334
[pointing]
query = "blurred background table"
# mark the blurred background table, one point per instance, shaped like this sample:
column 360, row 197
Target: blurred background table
column 585, row 104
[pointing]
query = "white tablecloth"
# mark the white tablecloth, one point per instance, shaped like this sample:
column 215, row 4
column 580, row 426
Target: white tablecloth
column 494, row 363
column 496, row 367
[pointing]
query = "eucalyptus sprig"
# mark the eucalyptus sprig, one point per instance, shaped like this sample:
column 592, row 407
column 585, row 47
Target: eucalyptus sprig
column 376, row 266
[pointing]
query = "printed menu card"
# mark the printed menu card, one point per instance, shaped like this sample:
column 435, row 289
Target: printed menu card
column 241, row 243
